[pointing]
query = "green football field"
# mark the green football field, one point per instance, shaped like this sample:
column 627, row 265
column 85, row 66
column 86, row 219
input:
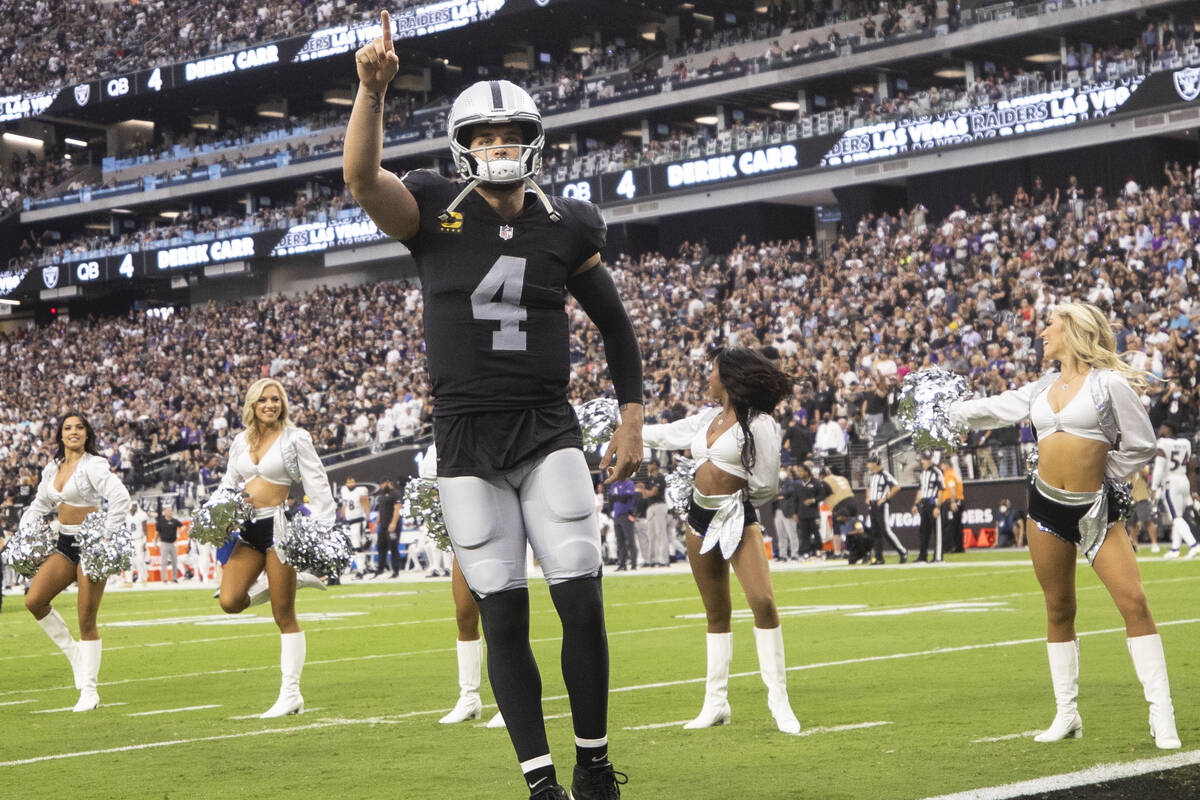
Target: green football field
column 910, row 682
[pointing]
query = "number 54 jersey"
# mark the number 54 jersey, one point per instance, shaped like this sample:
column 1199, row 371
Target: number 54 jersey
column 496, row 328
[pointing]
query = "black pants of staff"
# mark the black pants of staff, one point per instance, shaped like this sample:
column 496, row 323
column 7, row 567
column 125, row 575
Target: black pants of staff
column 930, row 529
column 807, row 533
column 389, row 547
column 626, row 541
column 952, row 539
column 879, row 529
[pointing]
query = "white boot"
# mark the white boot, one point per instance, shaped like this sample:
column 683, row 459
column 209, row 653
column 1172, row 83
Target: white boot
column 496, row 721
column 89, row 670
column 716, row 683
column 1150, row 664
column 470, row 666
column 773, row 670
column 1064, row 676
column 306, row 580
column 56, row 628
column 291, row 664
column 259, row 591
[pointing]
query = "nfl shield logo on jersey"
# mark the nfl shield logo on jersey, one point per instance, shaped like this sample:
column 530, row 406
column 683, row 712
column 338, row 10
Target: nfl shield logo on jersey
column 506, row 232
column 1187, row 83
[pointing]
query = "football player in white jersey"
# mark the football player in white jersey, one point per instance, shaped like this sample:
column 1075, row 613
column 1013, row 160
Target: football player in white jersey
column 1172, row 484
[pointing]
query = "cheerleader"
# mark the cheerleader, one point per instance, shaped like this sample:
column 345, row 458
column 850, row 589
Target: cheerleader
column 74, row 484
column 1092, row 432
column 736, row 447
column 265, row 460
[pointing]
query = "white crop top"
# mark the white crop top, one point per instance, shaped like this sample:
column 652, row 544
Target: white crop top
column 1078, row 417
column 1134, row 446
column 691, row 433
column 91, row 483
column 270, row 467
column 292, row 458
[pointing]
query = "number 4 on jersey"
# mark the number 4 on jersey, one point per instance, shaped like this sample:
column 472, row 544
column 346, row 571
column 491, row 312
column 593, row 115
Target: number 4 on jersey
column 506, row 278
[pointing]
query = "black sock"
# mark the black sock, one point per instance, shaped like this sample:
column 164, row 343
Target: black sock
column 515, row 681
column 580, row 606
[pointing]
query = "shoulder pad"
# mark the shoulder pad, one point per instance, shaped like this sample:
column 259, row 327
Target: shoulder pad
column 422, row 178
column 579, row 211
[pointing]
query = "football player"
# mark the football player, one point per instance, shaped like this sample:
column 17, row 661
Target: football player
column 1172, row 482
column 496, row 259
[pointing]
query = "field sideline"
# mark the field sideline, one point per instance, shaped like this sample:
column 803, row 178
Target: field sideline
column 910, row 681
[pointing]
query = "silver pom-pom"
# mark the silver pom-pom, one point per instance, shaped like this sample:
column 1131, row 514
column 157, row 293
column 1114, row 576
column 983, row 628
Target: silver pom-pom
column 1120, row 495
column 598, row 418
column 924, row 407
column 680, row 483
column 103, row 552
column 423, row 503
column 225, row 512
column 32, row 544
column 309, row 546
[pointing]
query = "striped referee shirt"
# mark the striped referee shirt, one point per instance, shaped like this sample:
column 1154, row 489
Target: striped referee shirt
column 879, row 485
column 932, row 483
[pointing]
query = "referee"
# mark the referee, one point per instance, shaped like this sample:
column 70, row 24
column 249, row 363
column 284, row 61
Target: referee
column 881, row 487
column 932, row 483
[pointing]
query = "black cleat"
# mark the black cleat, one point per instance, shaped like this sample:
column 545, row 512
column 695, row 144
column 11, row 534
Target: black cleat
column 597, row 783
column 550, row 792
column 903, row 557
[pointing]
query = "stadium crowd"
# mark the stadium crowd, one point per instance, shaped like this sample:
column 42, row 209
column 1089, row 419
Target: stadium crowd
column 896, row 292
column 62, row 49
column 567, row 86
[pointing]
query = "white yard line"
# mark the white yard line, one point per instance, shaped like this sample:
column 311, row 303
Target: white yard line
column 70, row 708
column 1071, row 780
column 654, row 725
column 259, row 716
column 840, row 728
column 15, row 702
column 1005, row 737
column 657, row 685
column 169, row 743
column 170, row 711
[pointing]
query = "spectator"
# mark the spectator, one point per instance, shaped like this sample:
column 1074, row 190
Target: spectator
column 166, row 528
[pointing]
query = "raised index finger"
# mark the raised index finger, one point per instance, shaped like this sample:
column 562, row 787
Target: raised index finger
column 386, row 21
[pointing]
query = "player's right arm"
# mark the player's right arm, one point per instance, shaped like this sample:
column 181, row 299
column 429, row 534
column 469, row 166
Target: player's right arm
column 380, row 193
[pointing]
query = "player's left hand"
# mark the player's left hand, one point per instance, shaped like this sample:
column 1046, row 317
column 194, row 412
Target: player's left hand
column 624, row 454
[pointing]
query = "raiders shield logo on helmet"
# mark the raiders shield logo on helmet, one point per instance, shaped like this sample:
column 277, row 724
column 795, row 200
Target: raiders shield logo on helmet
column 83, row 93
column 50, row 277
column 1187, row 83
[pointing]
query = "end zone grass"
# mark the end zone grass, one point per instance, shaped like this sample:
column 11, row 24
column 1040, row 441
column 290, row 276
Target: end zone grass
column 910, row 682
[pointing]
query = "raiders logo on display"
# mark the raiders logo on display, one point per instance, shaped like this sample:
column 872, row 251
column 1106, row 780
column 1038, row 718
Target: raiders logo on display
column 83, row 93
column 50, row 277
column 1187, row 83
column 506, row 232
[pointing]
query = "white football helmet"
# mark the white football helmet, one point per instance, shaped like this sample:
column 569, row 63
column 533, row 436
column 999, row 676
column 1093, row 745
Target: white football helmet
column 494, row 103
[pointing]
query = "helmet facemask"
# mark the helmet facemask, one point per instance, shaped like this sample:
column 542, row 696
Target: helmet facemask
column 497, row 103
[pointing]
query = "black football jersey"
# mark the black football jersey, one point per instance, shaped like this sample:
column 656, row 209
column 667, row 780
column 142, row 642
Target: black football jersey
column 496, row 329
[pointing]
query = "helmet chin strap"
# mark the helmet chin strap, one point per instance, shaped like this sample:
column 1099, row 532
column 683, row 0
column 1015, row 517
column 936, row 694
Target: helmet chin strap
column 471, row 184
column 554, row 215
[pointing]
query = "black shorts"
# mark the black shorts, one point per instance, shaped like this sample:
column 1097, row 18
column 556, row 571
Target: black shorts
column 489, row 444
column 1060, row 519
column 259, row 534
column 69, row 547
column 698, row 518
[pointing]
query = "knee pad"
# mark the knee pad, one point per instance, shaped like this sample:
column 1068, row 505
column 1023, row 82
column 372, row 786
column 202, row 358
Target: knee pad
column 492, row 576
